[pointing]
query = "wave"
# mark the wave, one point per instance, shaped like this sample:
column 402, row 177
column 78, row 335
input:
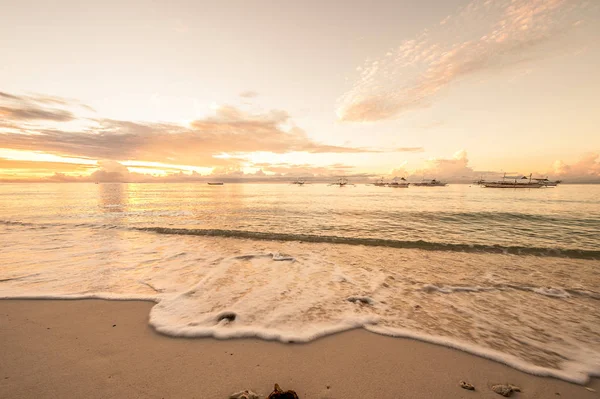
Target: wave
column 553, row 292
column 330, row 239
column 378, row 242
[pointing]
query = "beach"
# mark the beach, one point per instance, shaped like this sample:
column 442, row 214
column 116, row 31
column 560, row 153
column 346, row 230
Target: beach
column 366, row 199
column 106, row 349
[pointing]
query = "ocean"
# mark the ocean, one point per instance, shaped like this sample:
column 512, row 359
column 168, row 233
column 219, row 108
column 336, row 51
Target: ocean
column 512, row 275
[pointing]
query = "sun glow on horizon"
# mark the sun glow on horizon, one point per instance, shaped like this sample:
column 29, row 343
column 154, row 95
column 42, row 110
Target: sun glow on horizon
column 402, row 99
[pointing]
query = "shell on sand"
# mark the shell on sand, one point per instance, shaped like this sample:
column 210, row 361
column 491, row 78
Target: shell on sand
column 244, row 395
column 505, row 390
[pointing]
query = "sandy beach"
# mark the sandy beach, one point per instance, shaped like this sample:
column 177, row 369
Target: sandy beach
column 105, row 349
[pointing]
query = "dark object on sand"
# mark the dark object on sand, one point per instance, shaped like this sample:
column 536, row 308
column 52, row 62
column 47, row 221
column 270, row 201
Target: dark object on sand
column 229, row 316
column 278, row 393
column 505, row 389
column 466, row 385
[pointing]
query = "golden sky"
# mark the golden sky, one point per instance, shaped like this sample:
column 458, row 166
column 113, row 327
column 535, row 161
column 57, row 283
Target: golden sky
column 259, row 90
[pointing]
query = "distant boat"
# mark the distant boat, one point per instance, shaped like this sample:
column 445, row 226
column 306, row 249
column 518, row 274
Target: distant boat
column 380, row 182
column 218, row 183
column 513, row 182
column 299, row 182
column 341, row 182
column 430, row 183
column 399, row 184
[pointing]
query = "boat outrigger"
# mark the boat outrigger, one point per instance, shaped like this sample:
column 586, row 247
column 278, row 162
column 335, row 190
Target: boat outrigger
column 547, row 183
column 513, row 182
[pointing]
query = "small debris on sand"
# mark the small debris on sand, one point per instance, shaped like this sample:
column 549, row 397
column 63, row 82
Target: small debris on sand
column 362, row 300
column 278, row 393
column 229, row 316
column 505, row 390
column 590, row 389
column 466, row 385
column 247, row 394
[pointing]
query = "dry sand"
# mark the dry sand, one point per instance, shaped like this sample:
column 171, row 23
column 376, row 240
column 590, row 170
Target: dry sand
column 104, row 349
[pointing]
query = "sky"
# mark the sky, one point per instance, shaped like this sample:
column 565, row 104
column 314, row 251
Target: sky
column 272, row 90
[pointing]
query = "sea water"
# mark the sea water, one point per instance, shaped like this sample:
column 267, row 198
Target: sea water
column 512, row 275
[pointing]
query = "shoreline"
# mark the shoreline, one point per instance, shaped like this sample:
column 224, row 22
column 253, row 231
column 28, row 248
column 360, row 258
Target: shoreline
column 97, row 348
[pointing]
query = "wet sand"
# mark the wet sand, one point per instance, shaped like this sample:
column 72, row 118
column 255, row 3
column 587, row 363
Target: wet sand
column 105, row 349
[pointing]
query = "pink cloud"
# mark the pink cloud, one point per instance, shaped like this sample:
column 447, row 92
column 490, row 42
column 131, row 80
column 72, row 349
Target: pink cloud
column 484, row 35
column 585, row 170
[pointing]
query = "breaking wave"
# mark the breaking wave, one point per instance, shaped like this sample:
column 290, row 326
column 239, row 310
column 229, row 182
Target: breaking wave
column 376, row 242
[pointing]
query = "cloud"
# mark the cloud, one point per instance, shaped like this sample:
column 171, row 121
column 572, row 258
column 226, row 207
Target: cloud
column 229, row 131
column 409, row 149
column 455, row 170
column 37, row 108
column 484, row 35
column 110, row 171
column 585, row 170
column 41, row 166
column 35, row 113
column 304, row 170
column 248, row 94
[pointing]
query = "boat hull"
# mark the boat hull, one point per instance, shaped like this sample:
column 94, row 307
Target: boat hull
column 495, row 185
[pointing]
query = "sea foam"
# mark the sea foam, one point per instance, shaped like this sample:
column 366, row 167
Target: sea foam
column 230, row 288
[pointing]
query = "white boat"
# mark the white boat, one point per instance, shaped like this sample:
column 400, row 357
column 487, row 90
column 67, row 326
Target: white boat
column 399, row 184
column 430, row 183
column 513, row 182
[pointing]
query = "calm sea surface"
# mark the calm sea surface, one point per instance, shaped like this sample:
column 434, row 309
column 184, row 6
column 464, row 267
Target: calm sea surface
column 509, row 274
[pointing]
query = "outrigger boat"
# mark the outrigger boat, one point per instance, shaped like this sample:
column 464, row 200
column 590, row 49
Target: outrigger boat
column 341, row 182
column 380, row 183
column 399, row 184
column 299, row 182
column 513, row 182
column 430, row 183
column 219, row 183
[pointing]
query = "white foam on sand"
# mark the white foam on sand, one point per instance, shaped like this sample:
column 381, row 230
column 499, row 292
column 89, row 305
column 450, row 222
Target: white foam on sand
column 290, row 292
